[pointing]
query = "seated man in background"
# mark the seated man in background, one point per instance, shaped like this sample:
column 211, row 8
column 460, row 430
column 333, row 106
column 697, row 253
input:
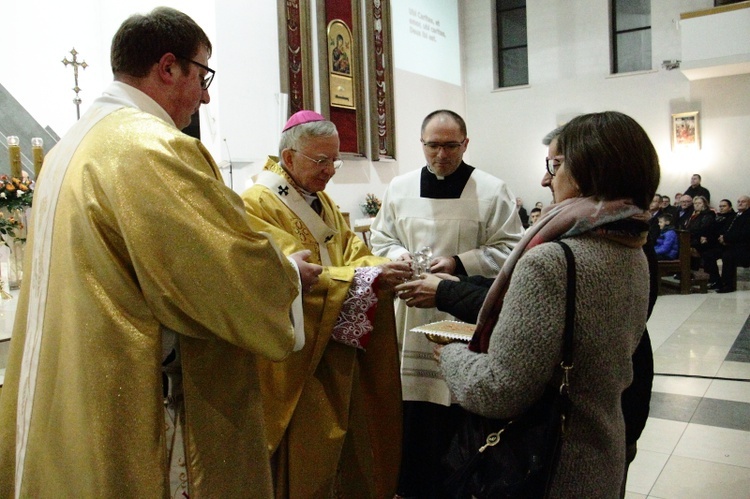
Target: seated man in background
column 667, row 207
column 733, row 250
column 534, row 215
column 332, row 410
column 654, row 211
column 684, row 213
column 522, row 213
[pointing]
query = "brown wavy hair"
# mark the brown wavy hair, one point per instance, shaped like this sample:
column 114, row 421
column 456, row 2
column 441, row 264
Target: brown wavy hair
column 610, row 156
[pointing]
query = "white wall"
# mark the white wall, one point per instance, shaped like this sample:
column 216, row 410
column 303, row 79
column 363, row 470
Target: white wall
column 569, row 75
column 243, row 120
column 38, row 34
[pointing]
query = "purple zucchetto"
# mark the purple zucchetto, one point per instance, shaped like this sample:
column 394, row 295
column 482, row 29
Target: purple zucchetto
column 302, row 117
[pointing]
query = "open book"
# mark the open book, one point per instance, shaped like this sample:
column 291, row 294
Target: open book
column 447, row 331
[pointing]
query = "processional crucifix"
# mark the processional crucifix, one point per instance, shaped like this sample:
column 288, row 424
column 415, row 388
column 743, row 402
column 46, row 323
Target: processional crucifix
column 76, row 89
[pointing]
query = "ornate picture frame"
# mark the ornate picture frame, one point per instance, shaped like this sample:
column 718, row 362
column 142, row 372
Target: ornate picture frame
column 296, row 69
column 341, row 54
column 685, row 131
column 307, row 76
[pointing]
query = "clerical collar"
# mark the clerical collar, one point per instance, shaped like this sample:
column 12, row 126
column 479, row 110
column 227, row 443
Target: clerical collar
column 429, row 169
column 449, row 187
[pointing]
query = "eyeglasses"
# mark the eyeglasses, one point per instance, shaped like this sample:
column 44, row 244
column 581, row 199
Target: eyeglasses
column 553, row 164
column 210, row 73
column 322, row 163
column 447, row 146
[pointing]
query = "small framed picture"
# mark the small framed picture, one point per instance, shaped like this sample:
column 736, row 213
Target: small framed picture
column 340, row 65
column 685, row 131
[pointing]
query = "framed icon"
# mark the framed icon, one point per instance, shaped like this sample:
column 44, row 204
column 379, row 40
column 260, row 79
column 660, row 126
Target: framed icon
column 685, row 131
column 340, row 64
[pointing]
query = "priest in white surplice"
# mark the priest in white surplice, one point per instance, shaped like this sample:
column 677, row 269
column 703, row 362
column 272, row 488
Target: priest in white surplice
column 469, row 220
column 139, row 255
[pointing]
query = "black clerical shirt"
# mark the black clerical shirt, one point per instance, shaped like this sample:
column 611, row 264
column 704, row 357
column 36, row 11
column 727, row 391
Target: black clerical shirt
column 449, row 187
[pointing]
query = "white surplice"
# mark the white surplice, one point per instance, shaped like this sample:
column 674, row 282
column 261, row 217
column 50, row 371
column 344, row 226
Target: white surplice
column 481, row 227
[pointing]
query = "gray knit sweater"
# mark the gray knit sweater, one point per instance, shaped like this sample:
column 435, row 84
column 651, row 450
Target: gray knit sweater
column 525, row 350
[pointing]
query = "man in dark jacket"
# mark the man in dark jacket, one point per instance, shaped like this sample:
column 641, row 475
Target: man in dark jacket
column 685, row 212
column 733, row 250
column 696, row 189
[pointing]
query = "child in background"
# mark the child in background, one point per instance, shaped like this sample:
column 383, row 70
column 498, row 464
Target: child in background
column 667, row 244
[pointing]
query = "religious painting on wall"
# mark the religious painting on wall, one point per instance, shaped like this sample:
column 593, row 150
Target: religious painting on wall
column 355, row 91
column 340, row 74
column 685, row 131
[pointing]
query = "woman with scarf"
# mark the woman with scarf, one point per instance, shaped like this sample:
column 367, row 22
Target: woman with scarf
column 602, row 181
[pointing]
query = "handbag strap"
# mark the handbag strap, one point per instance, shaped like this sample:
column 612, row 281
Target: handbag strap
column 570, row 312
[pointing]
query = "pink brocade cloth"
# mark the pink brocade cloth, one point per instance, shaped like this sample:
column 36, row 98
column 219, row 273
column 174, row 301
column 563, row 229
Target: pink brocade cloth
column 354, row 323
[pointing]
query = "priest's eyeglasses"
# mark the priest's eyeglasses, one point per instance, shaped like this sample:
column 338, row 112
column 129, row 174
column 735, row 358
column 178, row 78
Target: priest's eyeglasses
column 447, row 146
column 322, row 163
column 553, row 164
column 210, row 73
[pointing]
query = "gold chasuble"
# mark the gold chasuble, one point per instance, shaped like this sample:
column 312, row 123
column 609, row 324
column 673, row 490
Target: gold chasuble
column 135, row 232
column 333, row 411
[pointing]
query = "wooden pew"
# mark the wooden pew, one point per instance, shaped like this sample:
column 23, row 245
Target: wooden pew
column 681, row 267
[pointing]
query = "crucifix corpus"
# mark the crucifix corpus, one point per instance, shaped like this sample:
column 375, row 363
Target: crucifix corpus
column 76, row 89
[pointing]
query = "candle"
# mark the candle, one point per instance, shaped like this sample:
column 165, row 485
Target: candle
column 37, row 152
column 14, row 151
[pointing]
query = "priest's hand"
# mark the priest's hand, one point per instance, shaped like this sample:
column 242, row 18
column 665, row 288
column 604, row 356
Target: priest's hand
column 420, row 292
column 308, row 272
column 393, row 273
column 444, row 264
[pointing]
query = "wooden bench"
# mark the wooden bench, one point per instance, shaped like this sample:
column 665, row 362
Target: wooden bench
column 681, row 267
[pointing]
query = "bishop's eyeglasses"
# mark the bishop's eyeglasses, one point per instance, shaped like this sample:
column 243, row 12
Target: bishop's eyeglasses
column 322, row 163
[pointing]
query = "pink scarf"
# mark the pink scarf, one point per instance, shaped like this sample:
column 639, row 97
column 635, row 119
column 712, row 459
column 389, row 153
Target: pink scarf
column 569, row 218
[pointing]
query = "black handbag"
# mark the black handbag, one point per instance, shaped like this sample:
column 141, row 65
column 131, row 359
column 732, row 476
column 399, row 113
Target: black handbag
column 494, row 458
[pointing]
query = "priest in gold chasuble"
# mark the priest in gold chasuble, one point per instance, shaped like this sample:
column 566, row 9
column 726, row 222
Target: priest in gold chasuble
column 138, row 254
column 333, row 410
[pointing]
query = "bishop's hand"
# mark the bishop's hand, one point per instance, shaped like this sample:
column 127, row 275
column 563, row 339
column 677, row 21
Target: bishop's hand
column 308, row 272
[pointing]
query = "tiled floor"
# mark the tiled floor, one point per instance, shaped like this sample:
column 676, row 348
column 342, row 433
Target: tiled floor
column 696, row 443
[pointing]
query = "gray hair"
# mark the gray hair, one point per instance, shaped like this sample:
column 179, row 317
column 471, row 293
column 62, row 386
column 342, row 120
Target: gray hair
column 547, row 140
column 296, row 136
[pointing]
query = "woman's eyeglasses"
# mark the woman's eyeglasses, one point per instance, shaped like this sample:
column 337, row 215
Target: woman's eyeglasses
column 553, row 164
